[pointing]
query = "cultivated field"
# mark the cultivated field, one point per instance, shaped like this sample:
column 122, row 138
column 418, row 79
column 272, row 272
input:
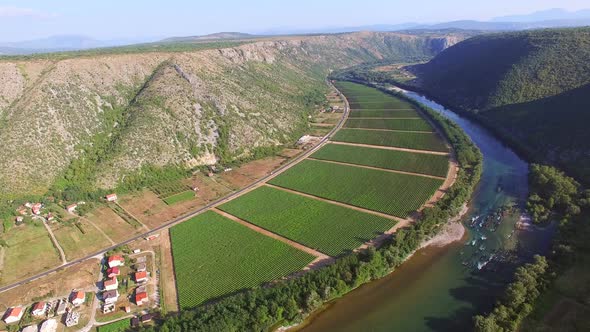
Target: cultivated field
column 390, row 124
column 78, row 238
column 423, row 163
column 326, row 227
column 384, row 114
column 214, row 256
column 173, row 191
column 408, row 140
column 392, row 193
column 28, row 250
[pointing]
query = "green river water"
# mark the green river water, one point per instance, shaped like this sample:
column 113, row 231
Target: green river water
column 441, row 288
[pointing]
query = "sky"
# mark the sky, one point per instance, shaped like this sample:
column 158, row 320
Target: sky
column 121, row 19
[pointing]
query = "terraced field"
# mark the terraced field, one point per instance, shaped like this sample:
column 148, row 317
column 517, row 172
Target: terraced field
column 329, row 228
column 390, row 124
column 408, row 140
column 430, row 164
column 215, row 256
column 391, row 193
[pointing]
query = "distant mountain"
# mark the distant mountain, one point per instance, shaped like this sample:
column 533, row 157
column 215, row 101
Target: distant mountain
column 546, row 15
column 63, row 43
column 213, row 36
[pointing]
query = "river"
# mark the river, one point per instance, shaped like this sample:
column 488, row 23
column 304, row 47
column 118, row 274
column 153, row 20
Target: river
column 441, row 288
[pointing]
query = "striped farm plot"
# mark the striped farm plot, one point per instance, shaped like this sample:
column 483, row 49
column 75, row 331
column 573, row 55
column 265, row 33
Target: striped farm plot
column 364, row 97
column 172, row 192
column 387, row 192
column 406, row 140
column 417, row 124
column 329, row 228
column 423, row 163
column 215, row 256
column 384, row 114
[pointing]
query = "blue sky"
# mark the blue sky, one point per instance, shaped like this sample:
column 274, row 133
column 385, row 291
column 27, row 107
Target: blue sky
column 114, row 19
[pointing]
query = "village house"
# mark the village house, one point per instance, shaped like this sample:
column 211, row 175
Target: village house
column 49, row 217
column 107, row 308
column 140, row 267
column 30, row 328
column 13, row 315
column 111, row 197
column 115, row 260
column 141, row 298
column 36, row 208
column 110, row 297
column 140, row 277
column 38, row 309
column 111, row 284
column 147, row 318
column 61, row 307
column 77, row 298
column 49, row 325
column 19, row 220
column 72, row 318
column 72, row 208
column 113, row 272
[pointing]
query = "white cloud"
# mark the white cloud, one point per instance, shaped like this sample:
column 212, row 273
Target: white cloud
column 9, row 11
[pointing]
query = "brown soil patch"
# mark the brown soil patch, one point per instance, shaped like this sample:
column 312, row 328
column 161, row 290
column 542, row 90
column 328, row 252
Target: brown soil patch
column 290, row 153
column 167, row 277
column 59, row 284
column 244, row 175
column 112, row 225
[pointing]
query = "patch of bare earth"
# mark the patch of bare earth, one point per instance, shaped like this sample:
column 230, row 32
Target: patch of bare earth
column 167, row 277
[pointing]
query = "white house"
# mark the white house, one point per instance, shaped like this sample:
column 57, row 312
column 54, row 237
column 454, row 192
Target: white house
column 115, row 260
column 111, row 284
column 13, row 315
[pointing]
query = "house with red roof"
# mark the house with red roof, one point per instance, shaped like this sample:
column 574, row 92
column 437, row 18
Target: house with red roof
column 13, row 315
column 111, row 197
column 72, row 208
column 77, row 298
column 141, row 276
column 141, row 298
column 115, row 260
column 38, row 309
column 111, row 284
column 36, row 208
column 113, row 272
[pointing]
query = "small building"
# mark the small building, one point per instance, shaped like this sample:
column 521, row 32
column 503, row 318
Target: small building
column 50, row 217
column 113, row 272
column 19, row 220
column 36, row 208
column 136, row 251
column 38, row 309
column 115, row 260
column 30, row 328
column 110, row 297
column 108, row 308
column 141, row 298
column 13, row 315
column 127, row 309
column 61, row 307
column 111, row 284
column 111, row 197
column 147, row 318
column 77, row 298
column 141, row 276
column 49, row 325
column 72, row 208
column 140, row 267
column 72, row 318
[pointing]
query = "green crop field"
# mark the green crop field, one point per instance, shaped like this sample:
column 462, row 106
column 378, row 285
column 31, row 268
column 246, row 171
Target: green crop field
column 118, row 326
column 392, row 193
column 383, row 114
column 364, row 97
column 390, row 124
column 215, row 256
column 391, row 159
column 408, row 140
column 329, row 228
column 180, row 197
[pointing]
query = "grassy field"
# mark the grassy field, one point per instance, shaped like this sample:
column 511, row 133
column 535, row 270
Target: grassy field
column 392, row 193
column 180, row 197
column 214, row 256
column 112, row 224
column 29, row 250
column 390, row 159
column 419, row 141
column 79, row 240
column 383, row 114
column 390, row 124
column 118, row 326
column 329, row 228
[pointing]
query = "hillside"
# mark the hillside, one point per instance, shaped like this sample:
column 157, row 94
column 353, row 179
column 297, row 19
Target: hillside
column 531, row 87
column 88, row 121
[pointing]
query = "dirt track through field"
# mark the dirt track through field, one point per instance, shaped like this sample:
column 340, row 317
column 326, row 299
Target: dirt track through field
column 379, row 168
column 383, row 215
column 452, row 174
column 56, row 244
column 98, row 229
column 391, row 148
column 272, row 235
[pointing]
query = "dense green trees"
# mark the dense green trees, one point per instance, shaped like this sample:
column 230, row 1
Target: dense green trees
column 289, row 301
